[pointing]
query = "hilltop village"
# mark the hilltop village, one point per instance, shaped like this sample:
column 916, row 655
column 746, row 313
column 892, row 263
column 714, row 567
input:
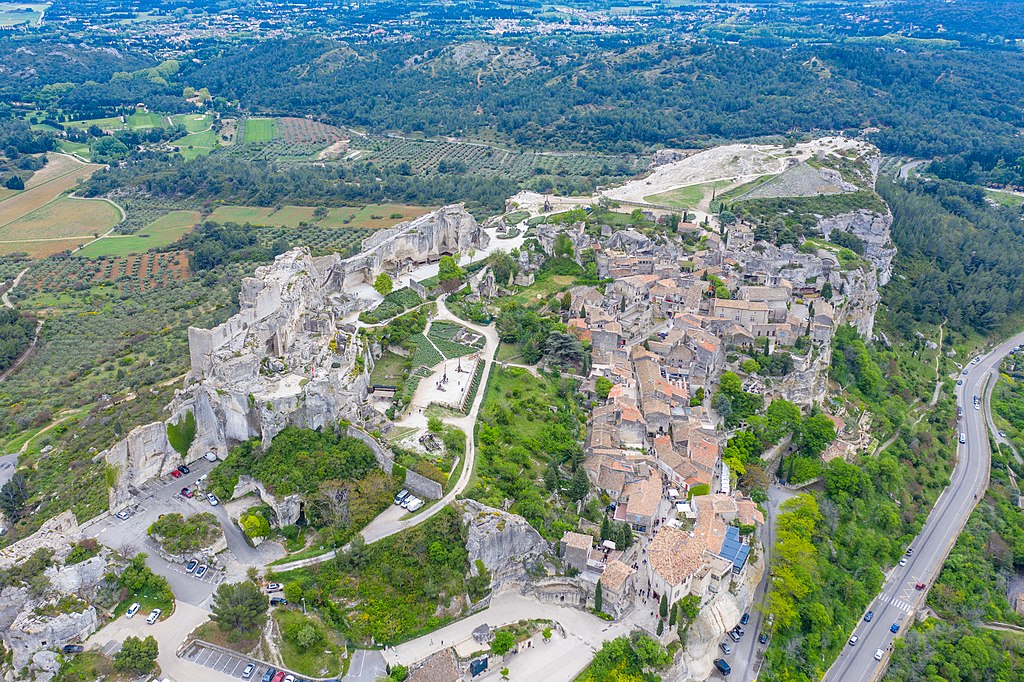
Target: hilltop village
column 674, row 328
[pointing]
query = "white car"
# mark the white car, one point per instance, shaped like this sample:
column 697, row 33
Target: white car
column 154, row 616
column 409, row 500
column 133, row 609
column 212, row 499
column 274, row 587
column 123, row 514
column 853, row 639
column 878, row 654
column 210, row 457
column 963, row 438
column 903, row 561
column 415, row 504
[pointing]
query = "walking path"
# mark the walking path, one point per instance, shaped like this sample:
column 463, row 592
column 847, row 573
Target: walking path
column 389, row 522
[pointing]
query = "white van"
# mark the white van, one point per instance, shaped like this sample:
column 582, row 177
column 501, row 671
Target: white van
column 133, row 609
column 415, row 504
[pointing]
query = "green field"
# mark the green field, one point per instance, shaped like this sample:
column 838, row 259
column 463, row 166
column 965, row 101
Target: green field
column 77, row 148
column 686, row 197
column 1007, row 199
column 165, row 230
column 193, row 123
column 142, row 119
column 12, row 14
column 260, row 130
column 196, row 144
column 371, row 216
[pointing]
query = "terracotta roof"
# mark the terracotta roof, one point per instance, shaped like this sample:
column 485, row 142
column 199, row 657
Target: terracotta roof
column 644, row 496
column 611, row 479
column 703, row 450
column 615, row 575
column 578, row 540
column 674, row 555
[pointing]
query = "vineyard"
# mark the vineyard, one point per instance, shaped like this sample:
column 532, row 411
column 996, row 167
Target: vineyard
column 305, row 131
column 433, row 156
column 320, row 240
column 369, row 216
column 395, row 303
column 131, row 274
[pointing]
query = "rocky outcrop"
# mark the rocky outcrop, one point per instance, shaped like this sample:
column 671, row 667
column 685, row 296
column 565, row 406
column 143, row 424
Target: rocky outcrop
column 57, row 535
column 144, row 454
column 505, row 543
column 31, row 632
column 82, row 578
column 871, row 227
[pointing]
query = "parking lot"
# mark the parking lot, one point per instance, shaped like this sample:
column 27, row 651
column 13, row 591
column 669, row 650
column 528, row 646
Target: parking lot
column 222, row 661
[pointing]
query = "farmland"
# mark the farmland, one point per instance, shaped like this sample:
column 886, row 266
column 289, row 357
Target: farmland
column 12, row 14
column 165, row 230
column 305, row 131
column 78, row 148
column 139, row 120
column 687, row 197
column 372, row 216
column 194, row 123
column 40, row 221
column 197, row 144
column 259, row 130
column 132, row 273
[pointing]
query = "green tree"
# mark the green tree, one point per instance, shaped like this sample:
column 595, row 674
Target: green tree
column 137, row 656
column 240, row 608
column 448, row 270
column 599, row 598
column 603, row 386
column 579, row 485
column 15, row 182
column 320, row 212
column 383, row 285
column 13, row 496
column 816, row 433
column 663, row 607
column 181, row 434
column 503, row 642
column 562, row 246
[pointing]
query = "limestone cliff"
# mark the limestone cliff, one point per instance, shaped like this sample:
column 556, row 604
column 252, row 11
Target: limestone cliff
column 505, row 543
column 871, row 227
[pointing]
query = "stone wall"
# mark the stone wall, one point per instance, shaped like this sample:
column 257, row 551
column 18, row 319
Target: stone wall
column 416, row 483
column 287, row 509
column 82, row 578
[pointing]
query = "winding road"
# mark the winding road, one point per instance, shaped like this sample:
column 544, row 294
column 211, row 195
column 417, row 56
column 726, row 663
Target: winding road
column 899, row 600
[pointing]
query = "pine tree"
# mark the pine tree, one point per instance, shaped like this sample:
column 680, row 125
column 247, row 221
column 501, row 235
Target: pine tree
column 598, row 598
column 606, row 529
column 661, row 627
column 579, row 486
column 663, row 610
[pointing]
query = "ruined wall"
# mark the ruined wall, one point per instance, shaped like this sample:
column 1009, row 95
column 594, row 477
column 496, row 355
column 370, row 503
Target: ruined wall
column 57, row 534
column 416, row 483
column 31, row 632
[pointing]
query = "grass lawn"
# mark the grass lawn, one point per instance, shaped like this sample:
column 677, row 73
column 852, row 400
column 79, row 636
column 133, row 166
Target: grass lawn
column 521, row 393
column 1007, row 199
column 326, row 659
column 78, row 148
column 260, row 129
column 292, row 216
column 148, row 602
column 508, row 352
column 211, row 632
column 542, row 288
column 193, row 123
column 257, row 215
column 388, row 370
column 743, row 189
column 142, row 119
column 686, row 197
column 372, row 215
column 196, row 144
column 163, row 231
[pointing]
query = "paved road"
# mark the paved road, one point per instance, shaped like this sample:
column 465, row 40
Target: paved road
column 899, row 599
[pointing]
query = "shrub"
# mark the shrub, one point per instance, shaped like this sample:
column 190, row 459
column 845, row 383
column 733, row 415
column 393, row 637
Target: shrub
column 183, row 433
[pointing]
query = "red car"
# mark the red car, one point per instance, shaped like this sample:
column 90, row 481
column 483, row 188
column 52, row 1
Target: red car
column 176, row 474
column 278, row 677
column 919, row 586
column 185, row 492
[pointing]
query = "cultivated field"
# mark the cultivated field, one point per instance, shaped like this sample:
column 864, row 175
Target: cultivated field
column 687, row 197
column 196, row 144
column 371, row 216
column 40, row 221
column 141, row 272
column 305, row 131
column 193, row 123
column 12, row 14
column 259, row 130
column 165, row 230
column 140, row 120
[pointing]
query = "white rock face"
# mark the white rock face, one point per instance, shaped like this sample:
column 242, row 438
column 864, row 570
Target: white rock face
column 31, row 632
column 873, row 228
column 81, row 578
column 286, row 357
column 57, row 534
column 505, row 543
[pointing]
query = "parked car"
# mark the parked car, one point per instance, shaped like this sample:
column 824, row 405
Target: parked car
column 744, row 618
column 733, row 636
column 910, row 550
column 959, row 382
column 894, row 628
column 963, row 438
column 154, row 616
column 408, row 500
column 401, row 496
column 191, row 565
column 186, row 492
column 133, row 609
column 726, row 649
column 853, row 640
column 878, row 654
column 278, row 601
column 274, row 587
column 763, row 638
column 903, row 561
column 279, row 677
column 210, row 457
column 249, row 670
column 73, row 648
column 123, row 514
column 183, row 468
column 201, row 571
column 176, row 474
column 269, row 675
column 739, row 631
column 212, row 499
column 289, row 678
column 868, row 616
column 919, row 586
column 415, row 504
column 722, row 666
